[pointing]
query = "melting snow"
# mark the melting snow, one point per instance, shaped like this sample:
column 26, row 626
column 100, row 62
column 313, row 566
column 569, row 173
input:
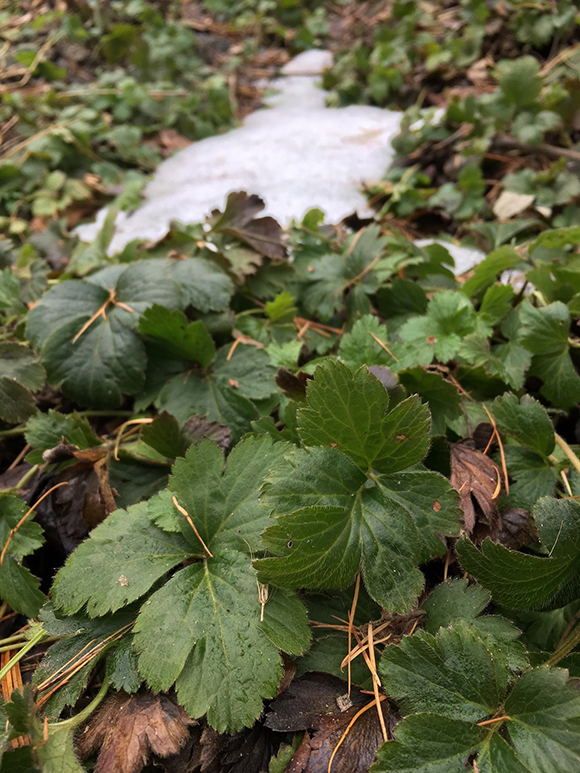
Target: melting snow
column 296, row 153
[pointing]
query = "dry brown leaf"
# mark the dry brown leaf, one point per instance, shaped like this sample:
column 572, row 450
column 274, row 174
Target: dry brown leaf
column 129, row 728
column 475, row 475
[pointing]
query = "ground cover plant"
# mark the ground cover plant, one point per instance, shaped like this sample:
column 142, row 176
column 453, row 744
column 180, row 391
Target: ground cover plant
column 297, row 500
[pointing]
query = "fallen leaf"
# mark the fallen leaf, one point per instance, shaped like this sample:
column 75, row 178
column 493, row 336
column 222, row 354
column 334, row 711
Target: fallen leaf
column 248, row 751
column 475, row 475
column 307, row 699
column 129, row 728
column 293, row 385
column 199, row 427
column 263, row 234
column 510, row 204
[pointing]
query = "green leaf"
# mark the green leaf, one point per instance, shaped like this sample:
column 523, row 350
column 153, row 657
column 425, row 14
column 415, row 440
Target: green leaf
column 336, row 522
column 450, row 316
column 16, row 401
column 359, row 348
column 558, row 237
column 348, row 411
column 205, row 285
column 57, row 754
column 441, row 396
column 183, row 340
column 122, row 669
column 519, row 80
column 224, row 505
column 46, row 431
column 452, row 674
column 281, row 309
column 21, row 364
column 545, row 333
column 545, row 720
column 202, row 632
column 526, row 421
column 18, row 587
column 108, row 359
column 121, row 560
column 223, row 390
column 165, row 436
column 488, row 270
column 429, row 743
column 523, row 581
column 454, row 600
column 78, row 634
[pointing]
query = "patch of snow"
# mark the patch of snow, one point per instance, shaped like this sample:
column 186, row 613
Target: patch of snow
column 296, row 154
column 464, row 257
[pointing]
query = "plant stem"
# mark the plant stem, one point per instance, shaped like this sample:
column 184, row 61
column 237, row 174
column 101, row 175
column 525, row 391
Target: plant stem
column 23, row 480
column 12, row 432
column 79, row 718
column 568, row 451
column 40, row 636
column 565, row 648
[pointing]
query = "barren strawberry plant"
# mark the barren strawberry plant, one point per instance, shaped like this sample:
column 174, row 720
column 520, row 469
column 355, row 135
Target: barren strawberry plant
column 304, row 500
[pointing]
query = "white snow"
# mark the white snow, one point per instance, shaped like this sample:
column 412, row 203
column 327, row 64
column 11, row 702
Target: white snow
column 296, row 154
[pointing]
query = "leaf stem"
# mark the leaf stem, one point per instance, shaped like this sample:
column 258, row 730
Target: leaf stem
column 79, row 718
column 568, row 451
column 36, row 639
column 23, row 480
column 13, row 432
column 565, row 648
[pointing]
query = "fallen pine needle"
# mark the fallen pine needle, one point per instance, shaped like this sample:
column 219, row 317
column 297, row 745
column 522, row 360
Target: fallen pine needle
column 349, row 726
column 184, row 512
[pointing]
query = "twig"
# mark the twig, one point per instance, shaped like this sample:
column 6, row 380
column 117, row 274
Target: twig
column 501, row 453
column 385, row 347
column 376, row 682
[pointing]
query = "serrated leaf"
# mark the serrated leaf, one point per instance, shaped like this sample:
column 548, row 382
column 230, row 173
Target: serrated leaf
column 336, row 523
column 454, row 600
column 180, row 338
column 545, row 720
column 202, row 631
column 452, row 674
column 223, row 390
column 524, row 581
column 46, row 431
column 348, row 411
column 165, row 436
column 21, row 364
column 359, row 347
column 79, row 636
column 108, row 359
column 519, row 80
column 526, row 421
column 57, row 754
column 450, row 316
column 18, row 587
column 224, row 505
column 545, row 333
column 441, row 396
column 120, row 561
column 429, row 743
column 122, row 669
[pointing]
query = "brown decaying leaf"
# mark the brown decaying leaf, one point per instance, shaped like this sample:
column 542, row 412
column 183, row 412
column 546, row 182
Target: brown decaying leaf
column 129, row 728
column 475, row 475
column 310, row 696
column 263, row 234
column 248, row 751
column 293, row 386
column 515, row 530
column 357, row 751
column 199, row 427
